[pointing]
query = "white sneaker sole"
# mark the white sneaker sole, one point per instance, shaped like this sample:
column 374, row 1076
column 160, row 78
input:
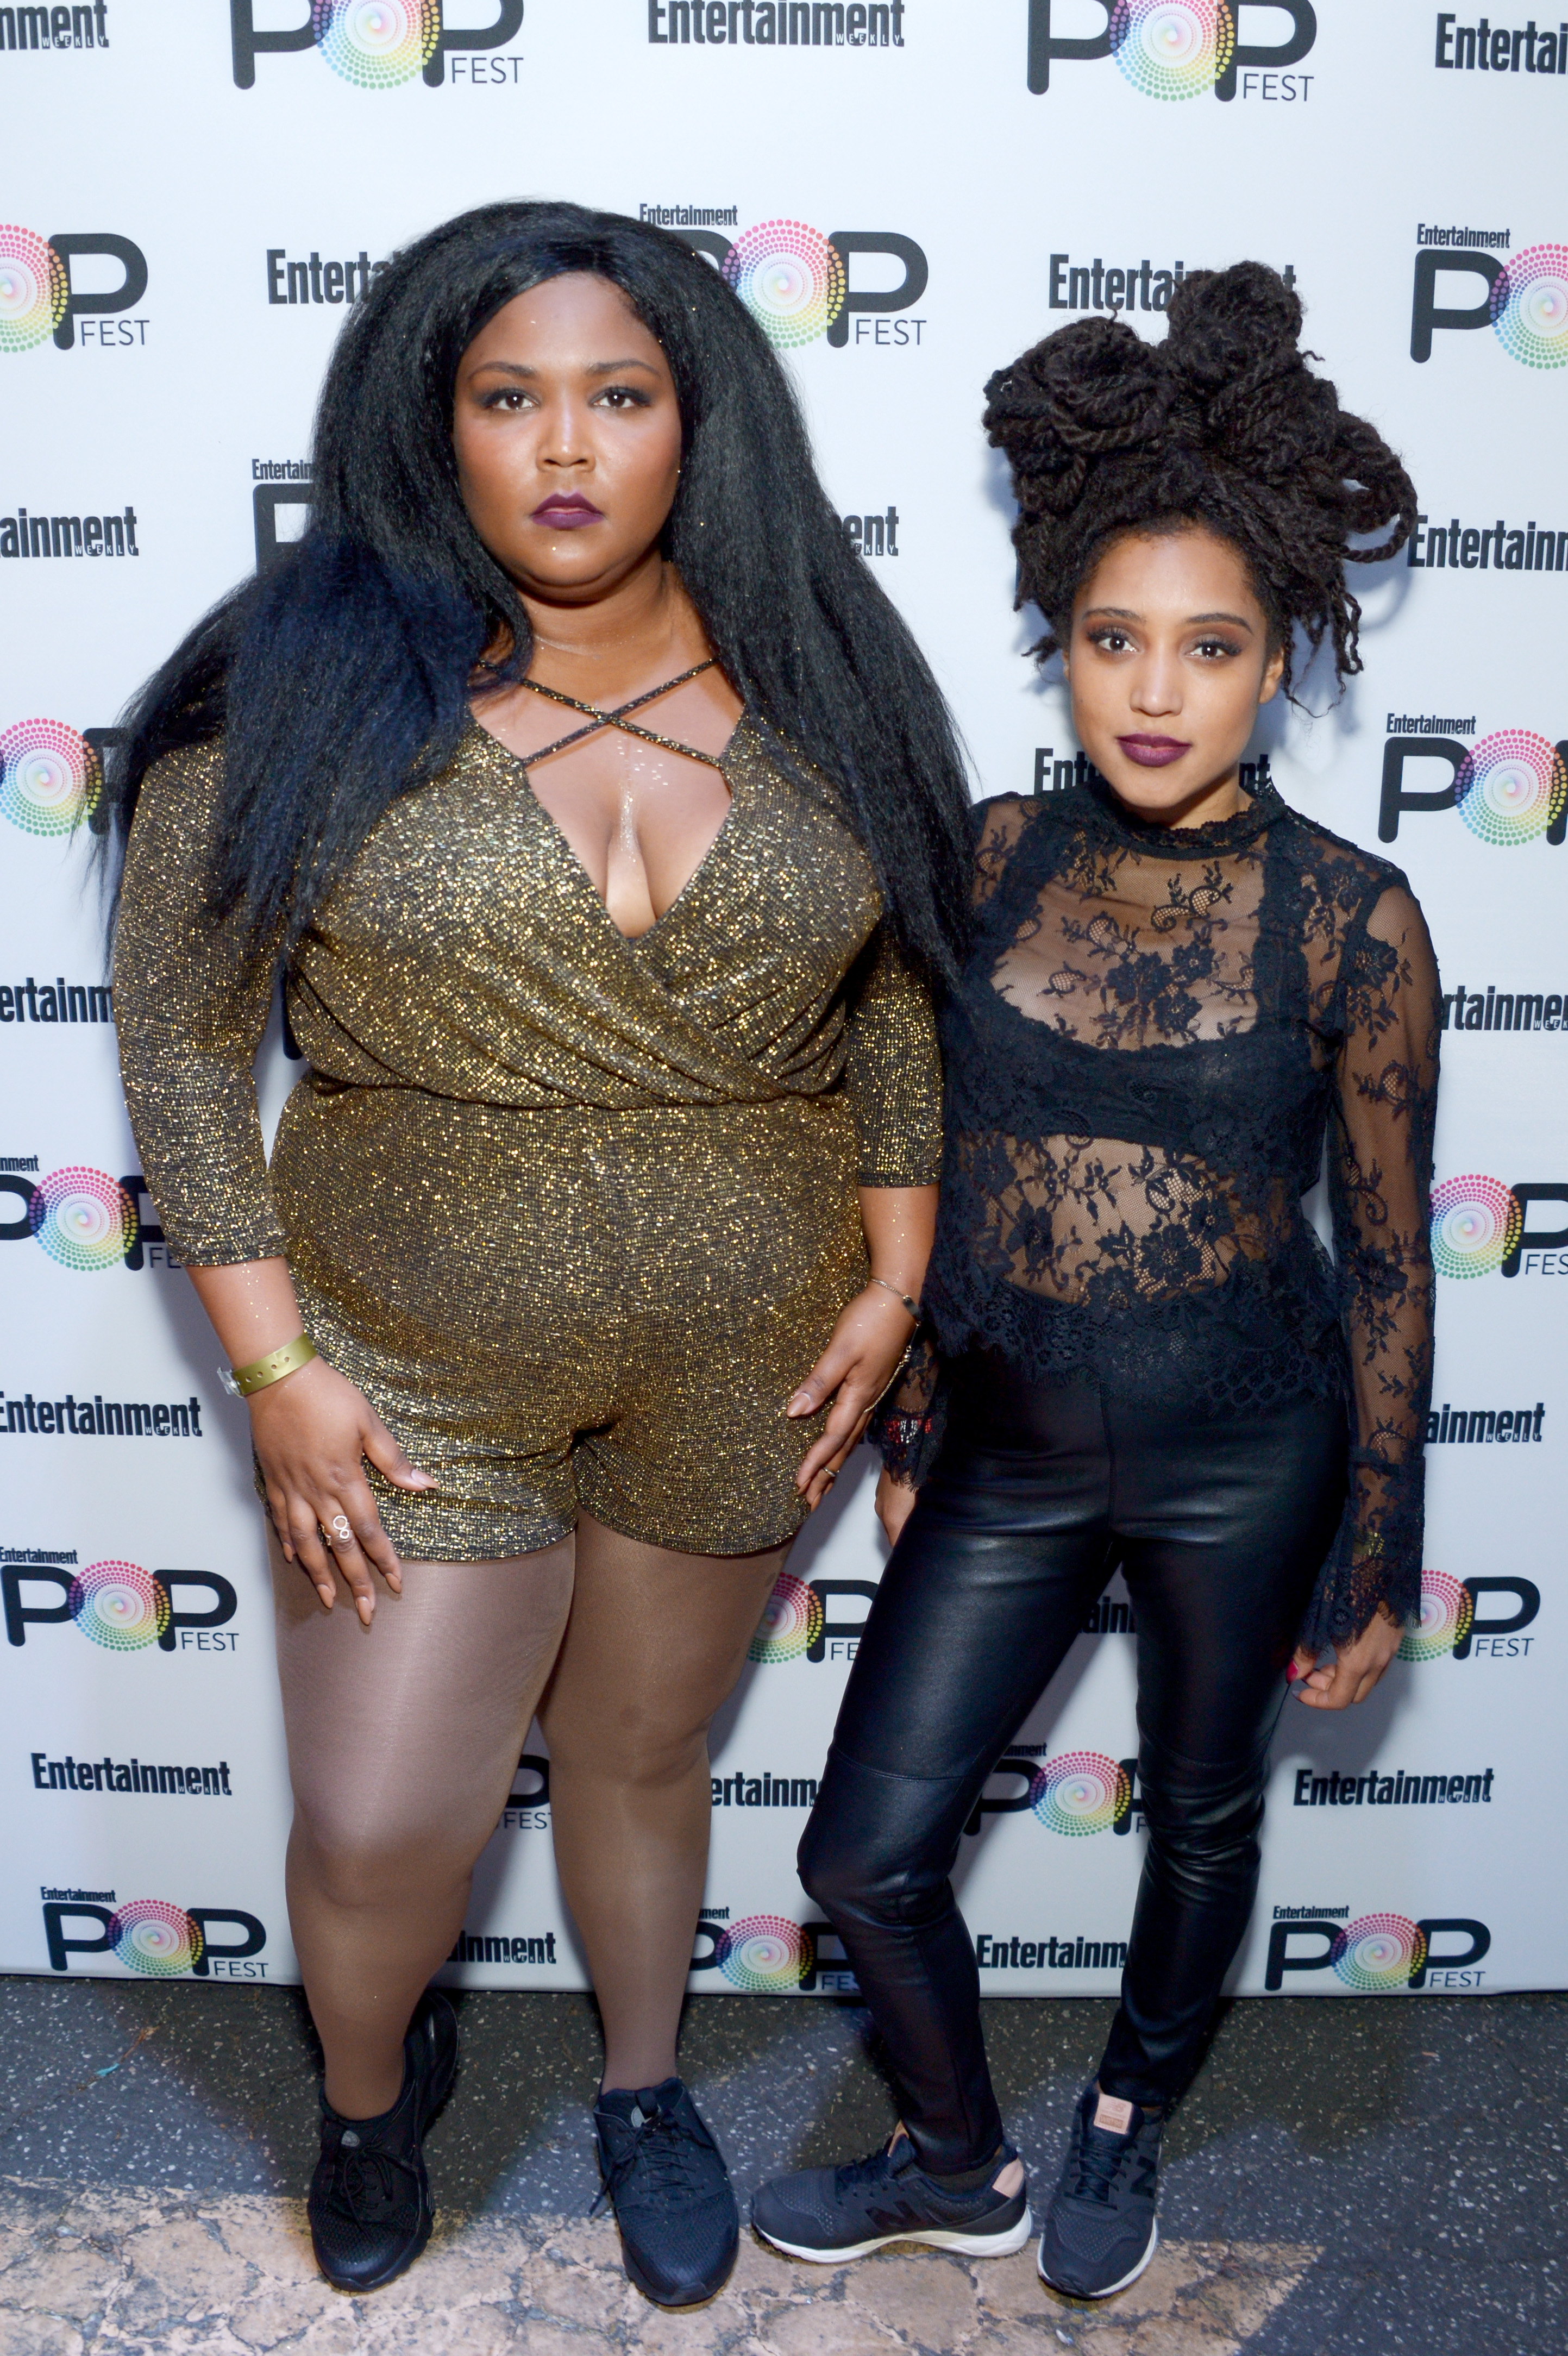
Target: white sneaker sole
column 1111, row 2289
column 967, row 2245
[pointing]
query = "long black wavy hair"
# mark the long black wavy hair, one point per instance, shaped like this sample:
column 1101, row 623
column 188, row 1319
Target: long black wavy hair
column 340, row 678
column 1223, row 424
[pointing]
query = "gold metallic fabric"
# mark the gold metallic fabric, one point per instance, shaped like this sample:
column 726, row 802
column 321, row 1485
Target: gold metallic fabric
column 576, row 1211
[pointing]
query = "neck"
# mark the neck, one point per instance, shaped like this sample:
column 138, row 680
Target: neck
column 1202, row 806
column 645, row 619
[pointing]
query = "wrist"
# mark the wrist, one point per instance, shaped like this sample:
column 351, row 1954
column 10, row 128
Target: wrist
column 263, row 1373
column 893, row 1287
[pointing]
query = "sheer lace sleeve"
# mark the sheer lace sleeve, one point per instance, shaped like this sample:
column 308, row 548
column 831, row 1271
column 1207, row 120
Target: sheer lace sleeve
column 907, row 1424
column 190, row 1015
column 894, row 1072
column 1381, row 1178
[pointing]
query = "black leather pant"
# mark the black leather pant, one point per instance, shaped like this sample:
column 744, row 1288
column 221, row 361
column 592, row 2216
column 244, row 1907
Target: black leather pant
column 1221, row 1527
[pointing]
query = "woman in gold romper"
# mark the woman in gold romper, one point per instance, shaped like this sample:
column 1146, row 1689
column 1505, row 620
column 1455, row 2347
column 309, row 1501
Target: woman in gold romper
column 607, row 828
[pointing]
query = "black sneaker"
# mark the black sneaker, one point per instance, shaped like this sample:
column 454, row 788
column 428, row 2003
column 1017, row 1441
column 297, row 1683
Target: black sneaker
column 369, row 2205
column 829, row 2215
column 1100, row 2229
column 666, row 2181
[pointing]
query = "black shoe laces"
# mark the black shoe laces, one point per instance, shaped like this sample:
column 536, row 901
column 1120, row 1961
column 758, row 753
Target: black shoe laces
column 1100, row 2158
column 368, row 2180
column 661, row 2157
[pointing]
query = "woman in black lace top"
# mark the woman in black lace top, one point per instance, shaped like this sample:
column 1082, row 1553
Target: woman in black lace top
column 1180, row 993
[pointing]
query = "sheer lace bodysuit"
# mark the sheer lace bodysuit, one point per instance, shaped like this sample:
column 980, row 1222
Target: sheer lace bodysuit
column 1155, row 1033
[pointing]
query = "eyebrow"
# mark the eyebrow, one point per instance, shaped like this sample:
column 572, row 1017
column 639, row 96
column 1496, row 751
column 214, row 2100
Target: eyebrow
column 594, row 368
column 1126, row 614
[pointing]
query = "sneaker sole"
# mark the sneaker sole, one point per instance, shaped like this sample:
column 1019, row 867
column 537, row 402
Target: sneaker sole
column 967, row 2246
column 1111, row 2289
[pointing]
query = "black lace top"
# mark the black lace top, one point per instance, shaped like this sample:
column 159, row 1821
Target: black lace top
column 1155, row 1031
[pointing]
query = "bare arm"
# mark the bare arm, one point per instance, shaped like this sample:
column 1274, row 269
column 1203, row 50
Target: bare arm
column 872, row 1331
column 311, row 1432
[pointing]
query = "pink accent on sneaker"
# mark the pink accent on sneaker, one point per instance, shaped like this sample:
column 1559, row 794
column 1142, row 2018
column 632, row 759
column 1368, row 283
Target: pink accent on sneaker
column 1113, row 2115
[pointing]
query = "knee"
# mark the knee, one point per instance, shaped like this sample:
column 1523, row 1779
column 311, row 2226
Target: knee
column 355, row 1861
column 866, row 1856
column 1203, row 1813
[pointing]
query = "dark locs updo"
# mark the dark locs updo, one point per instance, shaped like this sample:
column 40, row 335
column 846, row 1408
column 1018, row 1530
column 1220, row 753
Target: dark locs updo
column 1223, row 425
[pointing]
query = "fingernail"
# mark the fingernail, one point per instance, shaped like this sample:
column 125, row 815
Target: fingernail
column 1292, row 1673
column 799, row 1404
column 366, row 1609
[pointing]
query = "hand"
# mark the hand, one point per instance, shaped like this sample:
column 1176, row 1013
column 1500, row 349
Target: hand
column 895, row 1503
column 1355, row 1667
column 313, row 1431
column 859, row 1362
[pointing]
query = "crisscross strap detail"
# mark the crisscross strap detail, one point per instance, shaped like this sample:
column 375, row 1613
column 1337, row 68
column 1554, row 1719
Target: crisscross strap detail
column 617, row 718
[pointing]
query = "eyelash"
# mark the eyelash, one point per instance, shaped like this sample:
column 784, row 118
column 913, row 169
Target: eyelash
column 512, row 398
column 1104, row 638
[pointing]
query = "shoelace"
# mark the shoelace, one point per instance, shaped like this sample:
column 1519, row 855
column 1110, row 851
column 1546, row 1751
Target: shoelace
column 1100, row 2158
column 661, row 2152
column 369, row 2179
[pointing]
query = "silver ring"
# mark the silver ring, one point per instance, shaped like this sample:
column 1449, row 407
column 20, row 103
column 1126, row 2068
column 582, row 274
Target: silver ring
column 341, row 1529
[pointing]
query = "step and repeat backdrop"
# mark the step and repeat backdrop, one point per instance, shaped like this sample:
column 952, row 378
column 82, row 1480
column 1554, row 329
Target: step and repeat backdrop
column 195, row 194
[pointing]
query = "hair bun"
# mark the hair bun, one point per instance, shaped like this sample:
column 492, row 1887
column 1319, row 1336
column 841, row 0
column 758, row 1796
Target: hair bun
column 1228, row 325
column 1090, row 390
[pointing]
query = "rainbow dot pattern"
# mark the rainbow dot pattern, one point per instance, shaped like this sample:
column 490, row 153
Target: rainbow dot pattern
column 764, row 1955
column 1378, row 1952
column 790, row 279
column 154, row 1938
column 1173, row 49
column 791, row 1624
column 33, row 288
column 119, row 1605
column 1510, row 786
column 84, row 1219
column 1476, row 1223
column 1446, row 1611
column 50, row 779
column 377, row 44
column 1080, row 1792
column 1529, row 306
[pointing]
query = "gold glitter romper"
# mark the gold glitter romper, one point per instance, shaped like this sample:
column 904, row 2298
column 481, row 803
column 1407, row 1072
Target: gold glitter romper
column 575, row 1212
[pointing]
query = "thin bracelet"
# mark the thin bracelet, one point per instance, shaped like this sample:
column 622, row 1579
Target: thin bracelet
column 241, row 1381
column 912, row 1308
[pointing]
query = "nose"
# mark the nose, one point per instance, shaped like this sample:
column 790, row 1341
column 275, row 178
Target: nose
column 564, row 444
column 1155, row 692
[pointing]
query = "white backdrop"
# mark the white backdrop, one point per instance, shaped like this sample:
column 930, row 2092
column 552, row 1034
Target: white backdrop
column 212, row 183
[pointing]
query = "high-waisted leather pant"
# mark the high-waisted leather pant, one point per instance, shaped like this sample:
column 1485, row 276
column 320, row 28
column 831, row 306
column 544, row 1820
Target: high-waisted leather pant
column 1221, row 1527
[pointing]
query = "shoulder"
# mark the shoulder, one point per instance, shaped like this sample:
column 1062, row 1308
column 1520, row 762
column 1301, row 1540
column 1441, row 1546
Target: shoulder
column 1357, row 880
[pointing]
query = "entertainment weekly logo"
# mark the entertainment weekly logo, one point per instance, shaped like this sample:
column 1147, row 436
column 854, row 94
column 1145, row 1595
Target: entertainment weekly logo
column 777, row 25
column 1457, row 1622
column 115, row 1604
column 1377, row 1955
column 378, row 45
column 151, row 1936
column 74, row 28
column 1525, row 301
column 1478, row 1227
column 1485, row 48
column 1178, row 49
column 42, row 293
column 1510, row 786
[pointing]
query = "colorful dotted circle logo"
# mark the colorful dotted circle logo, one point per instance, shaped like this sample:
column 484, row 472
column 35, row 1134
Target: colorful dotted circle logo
column 1475, row 1223
column 154, row 1938
column 1530, row 306
column 791, row 1624
column 1378, row 1952
column 1510, row 786
column 84, row 1219
column 377, row 43
column 119, row 1605
column 1173, row 49
column 1446, row 1611
column 789, row 278
column 33, row 288
column 1081, row 1791
column 49, row 777
column 764, row 1954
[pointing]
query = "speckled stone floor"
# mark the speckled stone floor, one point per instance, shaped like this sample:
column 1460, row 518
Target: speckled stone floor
column 1360, row 2177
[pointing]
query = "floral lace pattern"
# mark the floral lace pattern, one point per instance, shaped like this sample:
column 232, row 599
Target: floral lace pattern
column 1160, row 1037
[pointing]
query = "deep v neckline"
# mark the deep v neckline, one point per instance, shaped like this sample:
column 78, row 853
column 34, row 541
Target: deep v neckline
column 719, row 761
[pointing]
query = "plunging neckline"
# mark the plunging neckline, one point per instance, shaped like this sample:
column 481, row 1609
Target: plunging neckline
column 719, row 761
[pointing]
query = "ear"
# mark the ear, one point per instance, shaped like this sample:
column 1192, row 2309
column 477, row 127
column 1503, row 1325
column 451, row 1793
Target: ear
column 1274, row 672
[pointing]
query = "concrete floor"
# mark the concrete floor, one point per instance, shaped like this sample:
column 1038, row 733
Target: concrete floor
column 1352, row 2177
